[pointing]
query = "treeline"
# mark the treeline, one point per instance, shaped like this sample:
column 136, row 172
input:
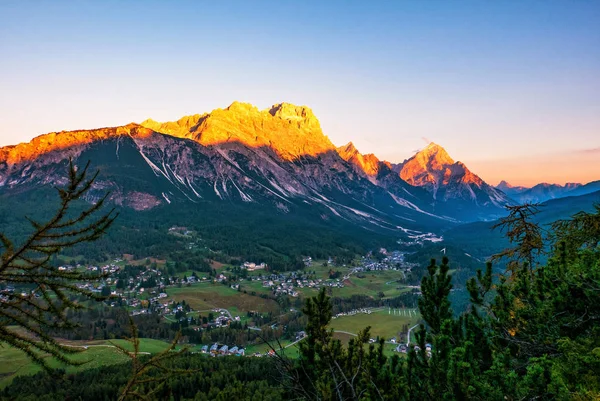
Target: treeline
column 406, row 300
column 101, row 322
column 207, row 379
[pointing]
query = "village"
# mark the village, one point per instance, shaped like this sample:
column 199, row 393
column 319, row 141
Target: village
column 146, row 292
column 145, row 289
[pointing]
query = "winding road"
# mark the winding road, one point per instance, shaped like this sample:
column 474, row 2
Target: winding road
column 408, row 335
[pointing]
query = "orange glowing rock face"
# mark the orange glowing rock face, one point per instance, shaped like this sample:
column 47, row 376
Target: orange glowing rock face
column 427, row 166
column 62, row 140
column 368, row 163
column 291, row 131
column 433, row 166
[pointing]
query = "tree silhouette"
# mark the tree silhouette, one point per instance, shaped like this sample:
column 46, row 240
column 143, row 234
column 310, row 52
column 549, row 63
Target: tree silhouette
column 524, row 233
column 43, row 293
column 149, row 374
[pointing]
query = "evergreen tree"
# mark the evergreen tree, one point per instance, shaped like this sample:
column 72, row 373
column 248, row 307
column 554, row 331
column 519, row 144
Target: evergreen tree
column 27, row 317
column 527, row 236
column 327, row 370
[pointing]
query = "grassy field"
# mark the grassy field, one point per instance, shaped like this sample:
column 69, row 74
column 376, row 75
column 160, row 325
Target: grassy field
column 256, row 286
column 14, row 362
column 189, row 273
column 388, row 349
column 370, row 283
column 291, row 351
column 382, row 323
column 205, row 296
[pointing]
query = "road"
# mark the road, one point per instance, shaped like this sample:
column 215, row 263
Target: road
column 345, row 332
column 98, row 345
column 408, row 335
column 295, row 342
column 387, row 342
column 226, row 311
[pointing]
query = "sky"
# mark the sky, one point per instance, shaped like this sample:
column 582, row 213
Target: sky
column 510, row 88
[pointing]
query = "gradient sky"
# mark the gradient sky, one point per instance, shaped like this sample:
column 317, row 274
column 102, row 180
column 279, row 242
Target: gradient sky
column 511, row 88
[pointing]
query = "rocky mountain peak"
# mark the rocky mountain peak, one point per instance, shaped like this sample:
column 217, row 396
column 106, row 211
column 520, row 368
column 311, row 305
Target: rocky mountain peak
column 427, row 167
column 291, row 131
column 433, row 155
column 368, row 164
column 504, row 185
column 181, row 127
column 347, row 151
column 434, row 169
column 302, row 115
column 242, row 107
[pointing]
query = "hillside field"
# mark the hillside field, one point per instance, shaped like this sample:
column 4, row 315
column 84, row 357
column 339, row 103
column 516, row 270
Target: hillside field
column 383, row 324
column 205, row 296
column 14, row 362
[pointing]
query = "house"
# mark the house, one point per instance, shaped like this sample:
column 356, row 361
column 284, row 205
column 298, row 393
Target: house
column 233, row 350
column 214, row 348
column 223, row 350
column 251, row 266
column 402, row 348
column 222, row 321
column 393, row 340
column 204, row 349
column 240, row 352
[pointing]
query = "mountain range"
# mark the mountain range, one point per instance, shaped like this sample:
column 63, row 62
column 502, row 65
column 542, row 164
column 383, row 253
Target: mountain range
column 252, row 162
column 276, row 156
column 544, row 191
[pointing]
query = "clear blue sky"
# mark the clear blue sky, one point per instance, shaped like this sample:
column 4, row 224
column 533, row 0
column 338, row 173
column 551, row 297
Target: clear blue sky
column 511, row 88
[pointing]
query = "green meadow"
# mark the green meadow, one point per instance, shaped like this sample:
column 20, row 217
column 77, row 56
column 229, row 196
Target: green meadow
column 14, row 362
column 382, row 322
column 205, row 296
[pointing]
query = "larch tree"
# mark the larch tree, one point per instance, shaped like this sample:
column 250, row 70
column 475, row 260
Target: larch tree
column 40, row 293
column 526, row 235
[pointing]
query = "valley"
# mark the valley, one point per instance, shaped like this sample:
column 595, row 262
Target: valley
column 230, row 223
column 246, row 306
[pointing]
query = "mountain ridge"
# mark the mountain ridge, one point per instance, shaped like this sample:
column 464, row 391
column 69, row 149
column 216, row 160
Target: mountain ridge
column 449, row 180
column 540, row 192
column 291, row 131
column 278, row 156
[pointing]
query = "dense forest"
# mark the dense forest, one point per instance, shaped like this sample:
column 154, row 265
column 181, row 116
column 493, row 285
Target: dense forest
column 249, row 232
column 207, row 379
